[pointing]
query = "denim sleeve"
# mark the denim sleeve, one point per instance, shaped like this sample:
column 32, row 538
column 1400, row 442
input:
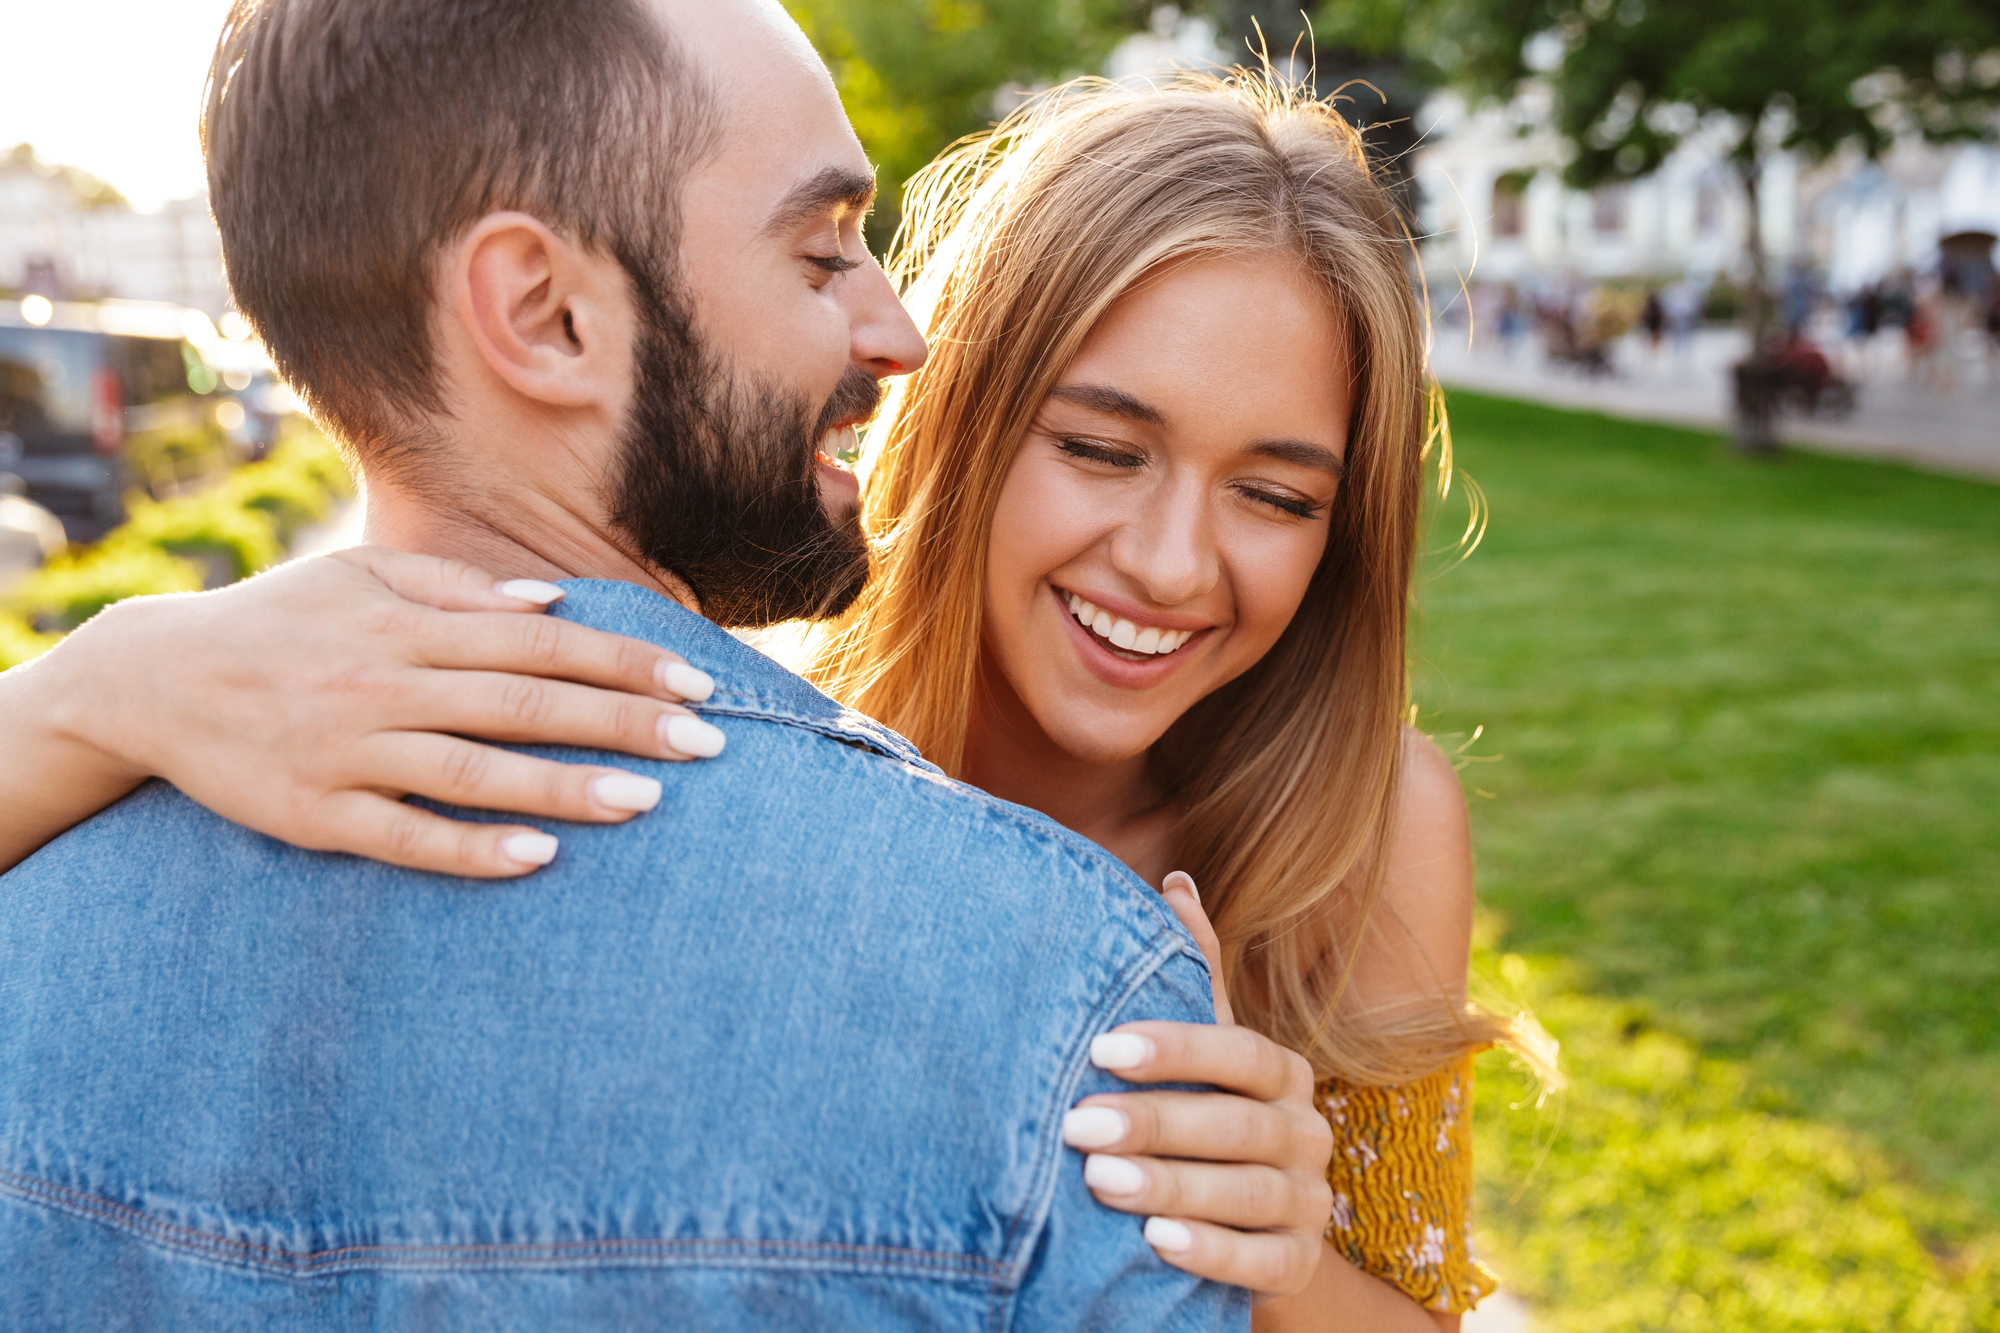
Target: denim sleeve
column 1091, row 1268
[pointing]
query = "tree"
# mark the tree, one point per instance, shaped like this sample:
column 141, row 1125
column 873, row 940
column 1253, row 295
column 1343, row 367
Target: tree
column 87, row 190
column 1366, row 53
column 1633, row 78
column 917, row 75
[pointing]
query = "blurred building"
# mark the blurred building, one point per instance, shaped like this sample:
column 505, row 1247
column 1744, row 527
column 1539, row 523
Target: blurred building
column 1494, row 205
column 62, row 239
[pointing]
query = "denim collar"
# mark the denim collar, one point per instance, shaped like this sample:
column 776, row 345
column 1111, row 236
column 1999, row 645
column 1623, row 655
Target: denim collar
column 747, row 683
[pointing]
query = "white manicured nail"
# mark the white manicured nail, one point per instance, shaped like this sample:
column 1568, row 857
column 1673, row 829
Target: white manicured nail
column 693, row 737
column 1113, row 1175
column 529, row 849
column 1120, row 1050
column 1180, row 879
column 625, row 791
column 1163, row 1233
column 688, row 682
column 1094, row 1127
column 530, row 590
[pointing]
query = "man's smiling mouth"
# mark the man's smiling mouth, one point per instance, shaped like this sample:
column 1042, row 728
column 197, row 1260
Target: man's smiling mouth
column 1122, row 638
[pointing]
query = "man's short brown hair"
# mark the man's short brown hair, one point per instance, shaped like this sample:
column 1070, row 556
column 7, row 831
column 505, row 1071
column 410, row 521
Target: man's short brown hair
column 350, row 141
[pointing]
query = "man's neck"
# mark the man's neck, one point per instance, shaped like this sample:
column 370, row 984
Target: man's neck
column 512, row 533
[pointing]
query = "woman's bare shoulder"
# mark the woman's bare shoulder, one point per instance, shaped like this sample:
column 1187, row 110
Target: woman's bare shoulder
column 1421, row 936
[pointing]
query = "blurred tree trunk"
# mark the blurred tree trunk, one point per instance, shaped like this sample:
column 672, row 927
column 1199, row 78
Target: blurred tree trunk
column 1756, row 388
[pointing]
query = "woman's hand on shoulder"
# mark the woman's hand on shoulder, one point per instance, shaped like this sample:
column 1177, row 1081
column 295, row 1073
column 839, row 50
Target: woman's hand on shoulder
column 304, row 702
column 1233, row 1183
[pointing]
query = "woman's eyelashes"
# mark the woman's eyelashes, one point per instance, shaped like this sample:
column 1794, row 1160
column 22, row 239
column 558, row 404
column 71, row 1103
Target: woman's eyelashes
column 1295, row 505
column 1098, row 451
column 833, row 263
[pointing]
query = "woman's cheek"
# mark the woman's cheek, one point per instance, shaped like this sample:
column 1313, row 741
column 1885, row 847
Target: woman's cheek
column 1273, row 570
column 1048, row 514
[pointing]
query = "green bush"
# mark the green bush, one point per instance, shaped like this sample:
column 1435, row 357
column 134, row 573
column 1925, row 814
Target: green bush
column 72, row 588
column 213, row 524
column 229, row 531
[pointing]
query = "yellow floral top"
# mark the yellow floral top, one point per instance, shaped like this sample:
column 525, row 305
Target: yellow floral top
column 1402, row 1185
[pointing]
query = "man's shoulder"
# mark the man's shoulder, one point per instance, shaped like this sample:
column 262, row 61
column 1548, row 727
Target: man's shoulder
column 801, row 766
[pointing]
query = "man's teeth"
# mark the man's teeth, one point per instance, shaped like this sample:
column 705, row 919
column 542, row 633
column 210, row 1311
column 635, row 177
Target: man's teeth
column 1123, row 633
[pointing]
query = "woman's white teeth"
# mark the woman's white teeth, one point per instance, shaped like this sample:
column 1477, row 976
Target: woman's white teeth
column 1122, row 633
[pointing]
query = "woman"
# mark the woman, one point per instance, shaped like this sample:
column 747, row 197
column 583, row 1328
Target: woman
column 1145, row 529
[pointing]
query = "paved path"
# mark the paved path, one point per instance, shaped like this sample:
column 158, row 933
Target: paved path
column 1498, row 1313
column 1954, row 430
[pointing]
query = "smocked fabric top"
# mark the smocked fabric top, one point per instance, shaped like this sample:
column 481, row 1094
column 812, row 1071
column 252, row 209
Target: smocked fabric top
column 1402, row 1185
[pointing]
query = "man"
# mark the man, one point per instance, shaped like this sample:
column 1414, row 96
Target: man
column 583, row 285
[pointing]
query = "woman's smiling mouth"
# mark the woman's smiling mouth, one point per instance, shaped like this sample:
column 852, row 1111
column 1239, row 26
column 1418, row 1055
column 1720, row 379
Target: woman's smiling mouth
column 1123, row 638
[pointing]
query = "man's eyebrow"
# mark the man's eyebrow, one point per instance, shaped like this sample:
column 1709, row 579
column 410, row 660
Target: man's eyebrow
column 835, row 189
column 1112, row 402
column 1303, row 452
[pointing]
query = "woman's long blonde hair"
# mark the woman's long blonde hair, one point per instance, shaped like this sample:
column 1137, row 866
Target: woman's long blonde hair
column 1013, row 245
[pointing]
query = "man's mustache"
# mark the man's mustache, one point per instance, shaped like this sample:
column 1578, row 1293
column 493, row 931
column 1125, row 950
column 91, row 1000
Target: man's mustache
column 855, row 399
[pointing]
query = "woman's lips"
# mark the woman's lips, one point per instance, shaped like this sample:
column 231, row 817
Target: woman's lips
column 1112, row 666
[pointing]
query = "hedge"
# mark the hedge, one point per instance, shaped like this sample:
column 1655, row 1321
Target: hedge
column 230, row 531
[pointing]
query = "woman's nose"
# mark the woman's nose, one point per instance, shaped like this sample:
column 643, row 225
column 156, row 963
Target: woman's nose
column 1168, row 550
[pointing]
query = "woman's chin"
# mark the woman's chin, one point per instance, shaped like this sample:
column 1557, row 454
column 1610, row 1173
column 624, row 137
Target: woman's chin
column 1101, row 745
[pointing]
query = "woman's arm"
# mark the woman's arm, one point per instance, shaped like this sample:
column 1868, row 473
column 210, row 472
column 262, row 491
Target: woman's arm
column 1418, row 952
column 1232, row 1169
column 53, row 777
column 304, row 702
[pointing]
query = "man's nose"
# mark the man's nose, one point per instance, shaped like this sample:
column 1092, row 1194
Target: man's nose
column 885, row 340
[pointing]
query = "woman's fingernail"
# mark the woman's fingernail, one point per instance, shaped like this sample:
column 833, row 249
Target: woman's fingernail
column 1094, row 1127
column 529, row 590
column 1163, row 1233
column 691, row 736
column 1180, row 879
column 1120, row 1050
column 625, row 791
column 529, row 849
column 690, row 683
column 1113, row 1175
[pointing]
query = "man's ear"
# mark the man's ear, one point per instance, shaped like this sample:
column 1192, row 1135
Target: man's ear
column 548, row 318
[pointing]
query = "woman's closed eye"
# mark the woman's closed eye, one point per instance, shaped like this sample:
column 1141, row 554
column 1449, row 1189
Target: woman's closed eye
column 1284, row 500
column 1099, row 451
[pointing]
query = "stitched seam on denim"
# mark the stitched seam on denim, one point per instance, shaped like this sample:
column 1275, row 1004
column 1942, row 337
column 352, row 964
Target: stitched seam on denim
column 663, row 1252
column 1163, row 946
column 858, row 738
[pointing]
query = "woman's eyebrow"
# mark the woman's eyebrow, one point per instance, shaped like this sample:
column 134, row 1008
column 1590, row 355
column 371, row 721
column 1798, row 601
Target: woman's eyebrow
column 1112, row 402
column 833, row 190
column 1303, row 452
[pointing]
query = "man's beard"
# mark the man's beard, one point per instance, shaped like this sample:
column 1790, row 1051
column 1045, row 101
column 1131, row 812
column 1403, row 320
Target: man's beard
column 717, row 482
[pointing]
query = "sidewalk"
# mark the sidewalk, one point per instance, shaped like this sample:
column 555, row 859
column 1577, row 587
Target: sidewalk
column 1955, row 430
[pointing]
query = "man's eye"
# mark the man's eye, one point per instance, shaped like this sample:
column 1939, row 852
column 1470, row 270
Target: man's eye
column 833, row 263
column 1098, row 452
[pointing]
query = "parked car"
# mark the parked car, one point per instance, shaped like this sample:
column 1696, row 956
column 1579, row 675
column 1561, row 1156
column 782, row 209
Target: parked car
column 29, row 534
column 105, row 398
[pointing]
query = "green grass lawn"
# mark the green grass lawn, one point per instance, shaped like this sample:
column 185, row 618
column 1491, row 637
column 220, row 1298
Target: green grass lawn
column 1737, row 804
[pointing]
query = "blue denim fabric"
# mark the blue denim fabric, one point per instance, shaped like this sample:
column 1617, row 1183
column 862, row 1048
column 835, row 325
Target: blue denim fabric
column 791, row 1051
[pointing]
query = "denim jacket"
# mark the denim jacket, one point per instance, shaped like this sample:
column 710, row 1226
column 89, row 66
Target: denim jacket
column 790, row 1051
